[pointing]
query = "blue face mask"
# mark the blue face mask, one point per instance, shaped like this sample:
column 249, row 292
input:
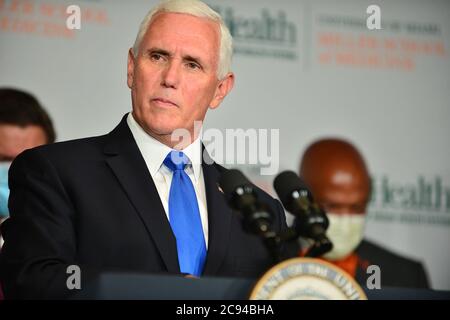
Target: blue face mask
column 4, row 189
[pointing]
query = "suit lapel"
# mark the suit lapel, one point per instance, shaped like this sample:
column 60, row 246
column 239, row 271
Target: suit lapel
column 219, row 219
column 129, row 167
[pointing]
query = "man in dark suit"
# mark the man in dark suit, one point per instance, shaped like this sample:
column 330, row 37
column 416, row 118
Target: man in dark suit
column 116, row 202
column 338, row 177
column 24, row 124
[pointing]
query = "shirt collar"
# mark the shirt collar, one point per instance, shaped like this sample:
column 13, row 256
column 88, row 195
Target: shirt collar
column 154, row 152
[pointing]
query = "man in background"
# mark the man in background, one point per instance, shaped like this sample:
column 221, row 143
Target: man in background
column 24, row 124
column 338, row 178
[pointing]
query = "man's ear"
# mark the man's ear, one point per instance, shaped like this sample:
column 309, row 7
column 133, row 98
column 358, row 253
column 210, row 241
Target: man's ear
column 130, row 68
column 223, row 88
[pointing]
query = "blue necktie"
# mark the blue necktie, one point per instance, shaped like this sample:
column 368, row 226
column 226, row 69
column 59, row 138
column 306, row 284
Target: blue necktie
column 184, row 216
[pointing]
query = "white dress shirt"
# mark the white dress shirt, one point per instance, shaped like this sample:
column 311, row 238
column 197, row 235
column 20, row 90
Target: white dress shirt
column 154, row 153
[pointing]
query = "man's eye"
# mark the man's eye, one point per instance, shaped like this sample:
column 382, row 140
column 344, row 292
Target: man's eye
column 193, row 65
column 156, row 57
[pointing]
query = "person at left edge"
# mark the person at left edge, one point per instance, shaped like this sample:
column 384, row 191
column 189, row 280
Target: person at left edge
column 103, row 203
column 24, row 124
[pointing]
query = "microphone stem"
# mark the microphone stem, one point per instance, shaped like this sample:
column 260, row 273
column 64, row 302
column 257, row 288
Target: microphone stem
column 272, row 242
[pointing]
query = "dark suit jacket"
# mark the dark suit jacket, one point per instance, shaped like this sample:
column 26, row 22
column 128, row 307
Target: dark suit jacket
column 93, row 203
column 396, row 271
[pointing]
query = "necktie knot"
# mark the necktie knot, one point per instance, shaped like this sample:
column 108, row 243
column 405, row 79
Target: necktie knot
column 176, row 160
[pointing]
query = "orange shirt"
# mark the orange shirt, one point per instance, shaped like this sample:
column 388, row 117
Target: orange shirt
column 348, row 264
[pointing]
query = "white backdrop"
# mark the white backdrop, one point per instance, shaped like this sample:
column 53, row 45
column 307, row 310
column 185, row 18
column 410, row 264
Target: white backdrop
column 309, row 68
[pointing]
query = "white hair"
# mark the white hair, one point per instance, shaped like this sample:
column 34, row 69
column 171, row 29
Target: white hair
column 198, row 9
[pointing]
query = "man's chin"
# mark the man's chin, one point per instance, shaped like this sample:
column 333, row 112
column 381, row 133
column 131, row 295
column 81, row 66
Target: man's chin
column 160, row 126
column 158, row 131
column 174, row 133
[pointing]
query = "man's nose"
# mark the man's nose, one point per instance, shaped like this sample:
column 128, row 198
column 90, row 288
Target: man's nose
column 171, row 75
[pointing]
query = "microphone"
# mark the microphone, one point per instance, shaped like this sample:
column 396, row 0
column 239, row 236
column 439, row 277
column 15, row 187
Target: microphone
column 241, row 196
column 310, row 220
column 257, row 217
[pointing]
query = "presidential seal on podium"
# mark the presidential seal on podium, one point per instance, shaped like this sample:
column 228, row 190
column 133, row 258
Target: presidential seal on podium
column 306, row 279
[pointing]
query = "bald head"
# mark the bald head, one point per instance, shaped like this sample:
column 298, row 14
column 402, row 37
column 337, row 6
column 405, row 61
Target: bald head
column 337, row 175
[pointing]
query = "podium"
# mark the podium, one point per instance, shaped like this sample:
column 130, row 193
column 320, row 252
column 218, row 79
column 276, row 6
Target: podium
column 122, row 286
column 164, row 287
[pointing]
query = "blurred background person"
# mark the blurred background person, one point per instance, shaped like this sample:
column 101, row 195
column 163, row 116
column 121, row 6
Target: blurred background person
column 24, row 124
column 338, row 178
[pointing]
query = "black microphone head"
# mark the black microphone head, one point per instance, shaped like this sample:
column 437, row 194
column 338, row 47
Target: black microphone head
column 240, row 194
column 232, row 179
column 286, row 183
